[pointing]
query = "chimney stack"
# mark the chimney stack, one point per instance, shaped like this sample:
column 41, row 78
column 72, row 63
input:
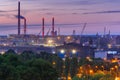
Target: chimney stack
column 25, row 26
column 19, row 17
column 43, row 24
column 53, row 33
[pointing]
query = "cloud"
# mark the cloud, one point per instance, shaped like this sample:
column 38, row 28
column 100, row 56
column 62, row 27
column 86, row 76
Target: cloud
column 3, row 5
column 78, row 2
column 103, row 12
column 2, row 15
column 2, row 11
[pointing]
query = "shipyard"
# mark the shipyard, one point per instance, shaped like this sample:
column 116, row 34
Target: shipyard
column 46, row 52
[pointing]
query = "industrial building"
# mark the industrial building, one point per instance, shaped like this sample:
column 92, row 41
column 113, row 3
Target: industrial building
column 75, row 50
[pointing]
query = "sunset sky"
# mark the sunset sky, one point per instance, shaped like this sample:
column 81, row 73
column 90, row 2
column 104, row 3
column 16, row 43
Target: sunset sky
column 69, row 15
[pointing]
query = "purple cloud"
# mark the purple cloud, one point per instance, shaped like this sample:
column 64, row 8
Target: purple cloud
column 103, row 12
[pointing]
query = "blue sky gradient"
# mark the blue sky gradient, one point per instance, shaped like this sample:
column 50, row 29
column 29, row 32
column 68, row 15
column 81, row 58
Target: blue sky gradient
column 96, row 13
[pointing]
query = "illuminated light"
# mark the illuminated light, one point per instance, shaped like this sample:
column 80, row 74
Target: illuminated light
column 50, row 41
column 80, row 67
column 112, row 68
column 65, row 55
column 63, row 59
column 53, row 63
column 2, row 52
column 116, row 66
column 68, row 37
column 96, row 66
column 104, row 59
column 58, row 38
column 91, row 71
column 83, row 44
column 74, row 51
column 114, row 61
column 4, row 44
column 53, row 52
column 79, row 75
column 32, row 41
column 109, row 46
column 62, row 51
column 102, row 66
column 88, row 58
column 117, row 78
column 69, row 78
column 112, row 52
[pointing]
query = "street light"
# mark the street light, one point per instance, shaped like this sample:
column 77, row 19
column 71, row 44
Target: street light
column 102, row 67
column 91, row 71
column 62, row 51
column 53, row 63
column 116, row 67
column 117, row 78
column 74, row 51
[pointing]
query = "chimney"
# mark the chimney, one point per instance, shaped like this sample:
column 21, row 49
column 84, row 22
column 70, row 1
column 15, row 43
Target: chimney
column 25, row 26
column 53, row 33
column 43, row 24
column 19, row 17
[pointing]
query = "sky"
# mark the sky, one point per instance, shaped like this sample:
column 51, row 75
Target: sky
column 69, row 15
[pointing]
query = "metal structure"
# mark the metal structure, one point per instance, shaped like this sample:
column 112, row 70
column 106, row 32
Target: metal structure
column 19, row 17
column 53, row 32
column 25, row 27
column 43, row 24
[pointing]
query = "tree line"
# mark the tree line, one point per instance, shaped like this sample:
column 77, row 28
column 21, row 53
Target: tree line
column 46, row 66
column 26, row 66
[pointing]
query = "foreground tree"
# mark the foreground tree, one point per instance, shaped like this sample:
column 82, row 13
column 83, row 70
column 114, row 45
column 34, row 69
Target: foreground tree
column 39, row 70
column 13, row 67
column 73, row 66
column 67, row 67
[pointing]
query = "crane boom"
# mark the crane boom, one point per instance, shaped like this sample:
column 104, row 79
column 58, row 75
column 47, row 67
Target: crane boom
column 82, row 32
column 48, row 32
column 83, row 29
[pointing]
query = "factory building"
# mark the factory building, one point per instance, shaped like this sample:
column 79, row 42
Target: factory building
column 74, row 50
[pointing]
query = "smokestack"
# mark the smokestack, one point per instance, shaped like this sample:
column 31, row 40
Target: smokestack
column 58, row 31
column 43, row 24
column 25, row 26
column 109, row 32
column 19, row 17
column 53, row 27
column 104, row 31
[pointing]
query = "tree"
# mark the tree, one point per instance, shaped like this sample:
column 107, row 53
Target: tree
column 13, row 67
column 67, row 67
column 27, row 55
column 8, row 72
column 73, row 66
column 10, row 51
column 58, row 64
column 39, row 69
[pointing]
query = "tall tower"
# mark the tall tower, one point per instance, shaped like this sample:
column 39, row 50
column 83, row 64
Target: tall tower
column 104, row 31
column 53, row 33
column 43, row 24
column 19, row 17
column 25, row 26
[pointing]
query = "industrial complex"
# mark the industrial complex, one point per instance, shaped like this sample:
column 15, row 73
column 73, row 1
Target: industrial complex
column 63, row 45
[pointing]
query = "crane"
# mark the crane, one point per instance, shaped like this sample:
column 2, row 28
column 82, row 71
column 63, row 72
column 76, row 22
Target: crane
column 82, row 31
column 39, row 33
column 48, row 32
